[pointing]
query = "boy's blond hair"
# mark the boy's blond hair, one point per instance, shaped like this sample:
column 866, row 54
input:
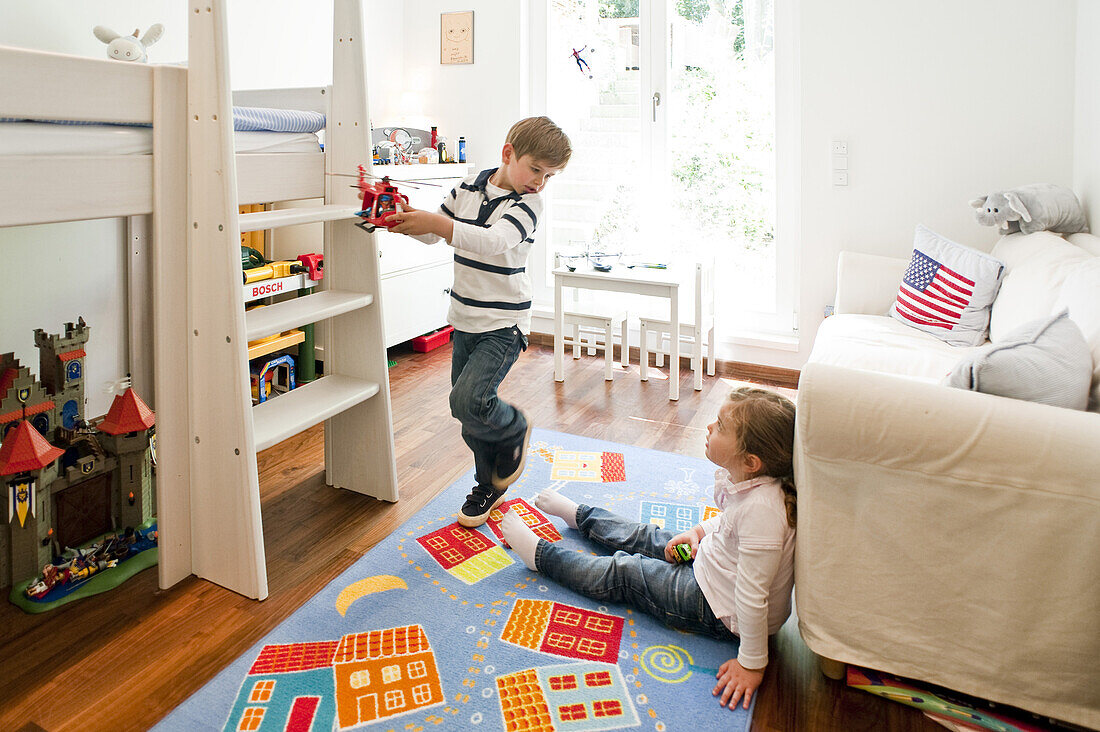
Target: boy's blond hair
column 543, row 140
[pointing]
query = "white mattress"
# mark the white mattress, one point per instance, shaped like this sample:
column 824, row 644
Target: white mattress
column 42, row 138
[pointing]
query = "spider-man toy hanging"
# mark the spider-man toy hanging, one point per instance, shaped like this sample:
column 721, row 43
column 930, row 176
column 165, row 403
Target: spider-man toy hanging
column 581, row 63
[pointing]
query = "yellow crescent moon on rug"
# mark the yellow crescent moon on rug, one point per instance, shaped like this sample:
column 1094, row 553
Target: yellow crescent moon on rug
column 368, row 586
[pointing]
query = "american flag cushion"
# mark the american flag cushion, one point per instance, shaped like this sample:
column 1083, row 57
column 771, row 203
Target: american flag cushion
column 947, row 290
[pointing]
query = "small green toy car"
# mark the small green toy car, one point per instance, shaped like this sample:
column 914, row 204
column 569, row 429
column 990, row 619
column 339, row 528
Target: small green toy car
column 683, row 551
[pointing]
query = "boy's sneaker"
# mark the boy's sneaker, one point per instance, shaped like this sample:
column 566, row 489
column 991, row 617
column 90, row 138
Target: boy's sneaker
column 512, row 460
column 481, row 501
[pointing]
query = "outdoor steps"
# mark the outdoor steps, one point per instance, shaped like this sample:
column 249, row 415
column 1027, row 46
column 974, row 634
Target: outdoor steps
column 612, row 124
column 621, row 111
column 613, row 97
column 583, row 188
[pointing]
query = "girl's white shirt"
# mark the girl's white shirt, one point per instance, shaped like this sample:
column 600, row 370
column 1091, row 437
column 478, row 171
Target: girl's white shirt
column 745, row 562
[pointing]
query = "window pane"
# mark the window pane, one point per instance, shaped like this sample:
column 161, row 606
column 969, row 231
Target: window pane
column 721, row 145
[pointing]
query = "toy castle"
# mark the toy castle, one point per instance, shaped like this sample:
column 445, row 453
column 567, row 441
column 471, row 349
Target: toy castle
column 67, row 481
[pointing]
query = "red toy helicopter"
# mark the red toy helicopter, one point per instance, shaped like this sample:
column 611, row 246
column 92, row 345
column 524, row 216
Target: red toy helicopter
column 380, row 199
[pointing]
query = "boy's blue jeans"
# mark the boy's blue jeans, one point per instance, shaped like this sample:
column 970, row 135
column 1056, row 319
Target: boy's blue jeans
column 479, row 362
column 637, row 574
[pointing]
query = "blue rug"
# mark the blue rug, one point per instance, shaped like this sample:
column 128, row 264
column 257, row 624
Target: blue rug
column 441, row 627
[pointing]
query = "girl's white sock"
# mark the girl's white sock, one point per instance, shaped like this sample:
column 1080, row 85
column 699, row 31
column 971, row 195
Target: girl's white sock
column 520, row 537
column 550, row 501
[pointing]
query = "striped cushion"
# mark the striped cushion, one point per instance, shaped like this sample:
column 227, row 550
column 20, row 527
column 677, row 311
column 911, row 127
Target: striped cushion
column 1046, row 361
column 277, row 120
column 244, row 119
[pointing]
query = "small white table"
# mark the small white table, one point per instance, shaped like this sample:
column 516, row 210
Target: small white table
column 638, row 281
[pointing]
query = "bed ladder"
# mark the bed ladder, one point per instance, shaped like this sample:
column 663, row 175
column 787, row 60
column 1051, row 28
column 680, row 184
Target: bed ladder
column 353, row 397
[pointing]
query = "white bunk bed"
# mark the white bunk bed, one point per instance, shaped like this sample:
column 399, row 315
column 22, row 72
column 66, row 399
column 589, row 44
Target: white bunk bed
column 149, row 190
column 190, row 187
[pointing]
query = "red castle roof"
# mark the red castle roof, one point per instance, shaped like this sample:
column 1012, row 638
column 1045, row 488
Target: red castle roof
column 25, row 449
column 127, row 414
column 26, row 412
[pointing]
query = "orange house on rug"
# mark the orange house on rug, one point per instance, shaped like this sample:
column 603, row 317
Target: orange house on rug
column 579, row 697
column 564, row 630
column 384, row 673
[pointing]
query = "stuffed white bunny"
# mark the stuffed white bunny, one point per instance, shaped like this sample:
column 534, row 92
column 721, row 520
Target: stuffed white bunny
column 128, row 48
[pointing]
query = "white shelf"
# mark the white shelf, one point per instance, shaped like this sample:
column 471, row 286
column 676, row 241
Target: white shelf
column 294, row 216
column 288, row 414
column 262, row 322
column 415, row 171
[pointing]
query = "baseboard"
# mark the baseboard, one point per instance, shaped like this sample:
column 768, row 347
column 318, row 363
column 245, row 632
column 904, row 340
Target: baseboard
column 773, row 375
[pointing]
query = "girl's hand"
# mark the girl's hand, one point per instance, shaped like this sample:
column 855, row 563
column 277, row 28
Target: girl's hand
column 736, row 682
column 688, row 537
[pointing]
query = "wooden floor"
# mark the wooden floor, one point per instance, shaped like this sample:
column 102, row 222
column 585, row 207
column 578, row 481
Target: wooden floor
column 124, row 659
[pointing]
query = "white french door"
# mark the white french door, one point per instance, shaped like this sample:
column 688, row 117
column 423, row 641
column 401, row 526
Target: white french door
column 670, row 105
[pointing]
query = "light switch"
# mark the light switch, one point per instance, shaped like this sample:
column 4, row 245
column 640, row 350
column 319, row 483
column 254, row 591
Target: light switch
column 840, row 177
column 840, row 162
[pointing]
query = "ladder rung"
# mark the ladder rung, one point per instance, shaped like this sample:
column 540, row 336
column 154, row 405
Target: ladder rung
column 292, row 216
column 288, row 414
column 262, row 322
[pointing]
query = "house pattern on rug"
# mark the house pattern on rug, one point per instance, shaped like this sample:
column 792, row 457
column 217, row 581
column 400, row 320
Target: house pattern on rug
column 675, row 516
column 578, row 696
column 590, row 467
column 465, row 554
column 563, row 630
column 362, row 678
column 393, row 679
column 530, row 515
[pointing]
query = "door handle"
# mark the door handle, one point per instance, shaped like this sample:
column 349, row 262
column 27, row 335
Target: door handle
column 656, row 103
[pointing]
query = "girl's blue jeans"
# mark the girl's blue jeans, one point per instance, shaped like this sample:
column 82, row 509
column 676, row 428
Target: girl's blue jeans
column 479, row 362
column 637, row 574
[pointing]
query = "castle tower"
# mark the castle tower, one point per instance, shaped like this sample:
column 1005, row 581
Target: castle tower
column 23, row 397
column 127, row 435
column 28, row 465
column 61, row 368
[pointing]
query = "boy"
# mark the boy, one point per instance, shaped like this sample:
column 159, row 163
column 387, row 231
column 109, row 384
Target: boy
column 490, row 220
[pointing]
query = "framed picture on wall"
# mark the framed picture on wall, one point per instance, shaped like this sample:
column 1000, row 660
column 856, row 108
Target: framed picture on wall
column 456, row 42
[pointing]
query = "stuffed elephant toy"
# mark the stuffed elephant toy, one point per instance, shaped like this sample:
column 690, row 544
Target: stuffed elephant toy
column 1037, row 207
column 128, row 48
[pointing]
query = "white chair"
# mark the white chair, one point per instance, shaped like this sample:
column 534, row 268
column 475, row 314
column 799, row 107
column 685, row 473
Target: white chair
column 691, row 333
column 597, row 332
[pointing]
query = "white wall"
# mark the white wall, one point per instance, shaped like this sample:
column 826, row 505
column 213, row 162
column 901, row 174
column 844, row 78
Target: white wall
column 479, row 101
column 939, row 102
column 1086, row 140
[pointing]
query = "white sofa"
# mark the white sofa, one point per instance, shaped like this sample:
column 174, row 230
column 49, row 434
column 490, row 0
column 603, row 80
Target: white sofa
column 946, row 535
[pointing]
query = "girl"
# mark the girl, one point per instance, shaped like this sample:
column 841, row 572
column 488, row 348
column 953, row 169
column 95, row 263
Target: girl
column 739, row 585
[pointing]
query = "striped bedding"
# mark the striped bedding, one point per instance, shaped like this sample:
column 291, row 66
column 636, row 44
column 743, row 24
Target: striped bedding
column 254, row 119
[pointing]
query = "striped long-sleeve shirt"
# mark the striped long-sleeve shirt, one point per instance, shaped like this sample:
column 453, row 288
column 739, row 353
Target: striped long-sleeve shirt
column 493, row 232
